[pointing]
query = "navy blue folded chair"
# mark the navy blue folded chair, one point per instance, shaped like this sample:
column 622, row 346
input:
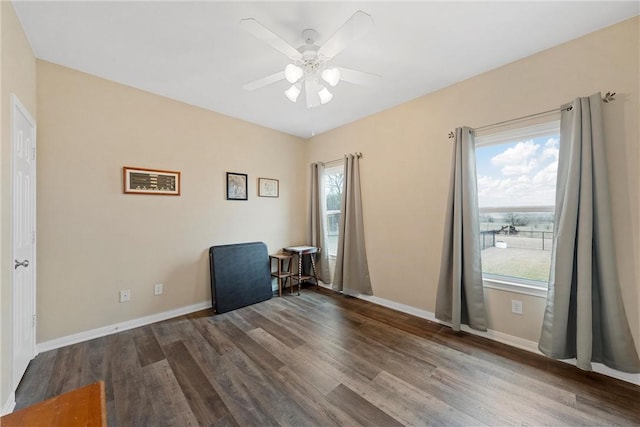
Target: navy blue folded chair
column 240, row 275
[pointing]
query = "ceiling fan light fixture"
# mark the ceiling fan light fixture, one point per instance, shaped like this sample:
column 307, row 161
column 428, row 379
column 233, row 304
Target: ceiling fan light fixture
column 292, row 93
column 325, row 95
column 331, row 76
column 307, row 70
column 293, row 73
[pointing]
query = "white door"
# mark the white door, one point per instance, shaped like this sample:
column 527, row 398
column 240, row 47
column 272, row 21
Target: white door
column 24, row 238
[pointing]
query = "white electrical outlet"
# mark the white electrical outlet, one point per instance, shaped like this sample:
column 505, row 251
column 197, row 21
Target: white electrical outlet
column 125, row 296
column 516, row 306
column 157, row 289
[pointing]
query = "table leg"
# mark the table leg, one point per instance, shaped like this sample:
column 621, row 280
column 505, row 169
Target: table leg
column 299, row 271
column 279, row 262
column 313, row 267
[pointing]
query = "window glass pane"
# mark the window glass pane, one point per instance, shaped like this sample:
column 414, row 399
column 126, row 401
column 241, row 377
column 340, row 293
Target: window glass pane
column 517, row 244
column 518, row 173
column 516, row 196
column 333, row 192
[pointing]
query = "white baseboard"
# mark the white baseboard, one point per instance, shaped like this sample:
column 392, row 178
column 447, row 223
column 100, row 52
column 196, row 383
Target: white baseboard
column 605, row 370
column 424, row 314
column 8, row 406
column 118, row 327
column 499, row 337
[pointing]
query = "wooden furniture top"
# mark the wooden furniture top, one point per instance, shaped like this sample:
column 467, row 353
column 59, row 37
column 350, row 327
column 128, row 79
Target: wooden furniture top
column 281, row 256
column 83, row 406
column 302, row 250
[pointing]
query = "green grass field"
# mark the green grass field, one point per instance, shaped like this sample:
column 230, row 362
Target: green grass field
column 527, row 260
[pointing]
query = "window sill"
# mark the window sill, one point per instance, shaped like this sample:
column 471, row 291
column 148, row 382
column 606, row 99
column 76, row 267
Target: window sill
column 519, row 288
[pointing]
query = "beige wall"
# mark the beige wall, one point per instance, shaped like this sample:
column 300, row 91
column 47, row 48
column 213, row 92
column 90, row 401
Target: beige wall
column 407, row 158
column 18, row 75
column 94, row 240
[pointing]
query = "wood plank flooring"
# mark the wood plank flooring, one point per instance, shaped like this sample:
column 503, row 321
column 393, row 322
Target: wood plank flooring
column 322, row 359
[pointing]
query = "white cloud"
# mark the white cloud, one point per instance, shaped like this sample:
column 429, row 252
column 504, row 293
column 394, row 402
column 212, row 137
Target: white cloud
column 550, row 153
column 552, row 143
column 517, row 154
column 520, row 169
column 551, row 150
column 547, row 176
column 522, row 191
column 517, row 160
column 522, row 175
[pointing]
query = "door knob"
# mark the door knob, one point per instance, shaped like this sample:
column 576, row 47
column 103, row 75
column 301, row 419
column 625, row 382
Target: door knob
column 24, row 263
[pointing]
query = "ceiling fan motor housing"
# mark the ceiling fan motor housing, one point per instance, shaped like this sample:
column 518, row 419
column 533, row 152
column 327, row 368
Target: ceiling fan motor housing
column 309, row 62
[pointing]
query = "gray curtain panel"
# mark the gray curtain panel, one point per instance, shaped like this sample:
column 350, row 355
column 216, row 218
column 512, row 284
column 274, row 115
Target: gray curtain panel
column 317, row 224
column 352, row 270
column 460, row 298
column 584, row 316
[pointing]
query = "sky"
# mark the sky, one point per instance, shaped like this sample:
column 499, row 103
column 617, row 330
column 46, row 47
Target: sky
column 519, row 173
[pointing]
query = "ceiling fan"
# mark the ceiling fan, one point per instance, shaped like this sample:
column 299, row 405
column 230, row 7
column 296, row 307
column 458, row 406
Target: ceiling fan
column 309, row 70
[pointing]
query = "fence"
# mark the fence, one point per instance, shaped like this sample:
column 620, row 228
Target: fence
column 524, row 239
column 487, row 239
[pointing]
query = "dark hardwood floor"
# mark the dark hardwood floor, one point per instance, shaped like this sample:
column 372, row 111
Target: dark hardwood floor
column 324, row 359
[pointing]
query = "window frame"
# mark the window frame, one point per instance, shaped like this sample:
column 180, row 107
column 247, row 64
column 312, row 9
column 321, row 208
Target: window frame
column 549, row 127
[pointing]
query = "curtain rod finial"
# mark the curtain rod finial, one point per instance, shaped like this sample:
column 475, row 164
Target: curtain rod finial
column 451, row 135
column 609, row 96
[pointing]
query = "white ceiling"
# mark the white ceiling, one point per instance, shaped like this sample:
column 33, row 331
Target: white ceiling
column 195, row 52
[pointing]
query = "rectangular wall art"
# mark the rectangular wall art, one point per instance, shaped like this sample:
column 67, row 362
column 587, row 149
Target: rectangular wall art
column 268, row 187
column 236, row 186
column 151, row 181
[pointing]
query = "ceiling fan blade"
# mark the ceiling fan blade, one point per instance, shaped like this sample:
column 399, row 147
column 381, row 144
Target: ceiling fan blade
column 358, row 25
column 261, row 32
column 358, row 77
column 265, row 81
column 311, row 89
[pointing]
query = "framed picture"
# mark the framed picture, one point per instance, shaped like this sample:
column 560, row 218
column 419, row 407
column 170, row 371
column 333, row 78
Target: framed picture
column 236, row 186
column 268, row 187
column 151, row 181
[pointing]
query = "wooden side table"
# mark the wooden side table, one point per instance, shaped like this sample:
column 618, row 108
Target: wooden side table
column 281, row 273
column 301, row 251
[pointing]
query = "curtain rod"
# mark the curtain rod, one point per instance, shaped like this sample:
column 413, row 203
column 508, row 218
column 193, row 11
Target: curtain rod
column 609, row 96
column 337, row 160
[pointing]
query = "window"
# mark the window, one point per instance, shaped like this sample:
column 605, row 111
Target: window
column 516, row 173
column 333, row 178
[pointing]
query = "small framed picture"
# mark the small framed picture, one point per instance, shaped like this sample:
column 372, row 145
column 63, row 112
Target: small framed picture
column 236, row 186
column 268, row 187
column 151, row 181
